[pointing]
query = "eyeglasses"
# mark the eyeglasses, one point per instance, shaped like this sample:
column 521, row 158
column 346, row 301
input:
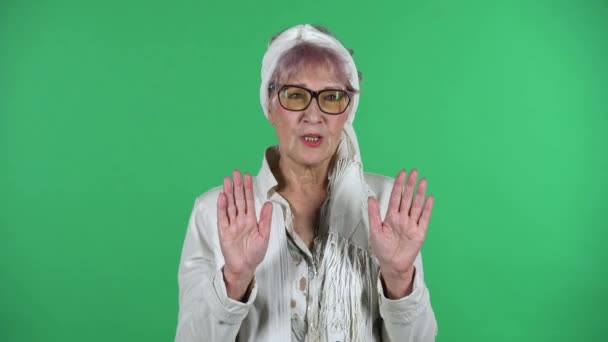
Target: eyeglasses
column 296, row 98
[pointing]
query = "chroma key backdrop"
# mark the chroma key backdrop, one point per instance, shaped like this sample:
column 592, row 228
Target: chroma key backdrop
column 116, row 115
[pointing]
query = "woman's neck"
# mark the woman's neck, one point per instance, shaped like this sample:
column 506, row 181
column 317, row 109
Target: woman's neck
column 305, row 189
column 305, row 179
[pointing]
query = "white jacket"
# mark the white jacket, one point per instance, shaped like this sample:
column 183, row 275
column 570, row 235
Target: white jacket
column 207, row 314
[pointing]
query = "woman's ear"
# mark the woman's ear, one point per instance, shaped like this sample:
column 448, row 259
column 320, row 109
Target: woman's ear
column 271, row 112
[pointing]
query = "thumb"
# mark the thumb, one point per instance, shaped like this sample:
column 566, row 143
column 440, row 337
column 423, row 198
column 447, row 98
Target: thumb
column 375, row 220
column 265, row 220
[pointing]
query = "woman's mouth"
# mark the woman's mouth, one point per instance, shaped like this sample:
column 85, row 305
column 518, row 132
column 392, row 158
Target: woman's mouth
column 312, row 140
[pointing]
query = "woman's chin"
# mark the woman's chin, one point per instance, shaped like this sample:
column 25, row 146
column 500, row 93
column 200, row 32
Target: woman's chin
column 312, row 159
column 308, row 157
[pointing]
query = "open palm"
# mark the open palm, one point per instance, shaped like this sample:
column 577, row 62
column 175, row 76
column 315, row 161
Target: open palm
column 397, row 240
column 243, row 240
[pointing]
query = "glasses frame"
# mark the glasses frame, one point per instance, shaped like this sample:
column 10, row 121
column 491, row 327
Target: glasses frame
column 313, row 95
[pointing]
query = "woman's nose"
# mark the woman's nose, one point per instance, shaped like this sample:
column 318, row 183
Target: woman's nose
column 313, row 113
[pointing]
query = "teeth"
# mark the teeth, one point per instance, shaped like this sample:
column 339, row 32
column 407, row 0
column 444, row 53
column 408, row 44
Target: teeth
column 312, row 139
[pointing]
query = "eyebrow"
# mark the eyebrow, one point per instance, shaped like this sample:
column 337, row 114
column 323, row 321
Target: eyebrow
column 328, row 87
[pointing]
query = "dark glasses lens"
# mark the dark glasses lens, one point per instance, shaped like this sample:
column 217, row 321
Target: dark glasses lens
column 333, row 101
column 294, row 98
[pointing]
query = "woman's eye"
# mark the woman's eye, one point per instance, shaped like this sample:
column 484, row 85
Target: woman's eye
column 333, row 97
column 294, row 96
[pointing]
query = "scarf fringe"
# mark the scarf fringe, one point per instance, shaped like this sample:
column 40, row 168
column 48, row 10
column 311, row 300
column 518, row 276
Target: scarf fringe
column 344, row 293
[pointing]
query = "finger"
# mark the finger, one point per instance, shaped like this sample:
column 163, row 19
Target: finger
column 229, row 193
column 222, row 215
column 375, row 220
column 418, row 200
column 425, row 218
column 249, row 201
column 239, row 194
column 406, row 201
column 395, row 199
column 265, row 220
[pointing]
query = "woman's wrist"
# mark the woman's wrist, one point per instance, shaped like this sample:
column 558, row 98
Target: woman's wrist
column 237, row 284
column 398, row 285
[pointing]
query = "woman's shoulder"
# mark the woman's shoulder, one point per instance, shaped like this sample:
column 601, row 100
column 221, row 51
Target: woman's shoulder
column 208, row 199
column 378, row 183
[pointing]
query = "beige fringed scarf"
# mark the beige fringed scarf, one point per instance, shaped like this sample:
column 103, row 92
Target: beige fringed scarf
column 342, row 292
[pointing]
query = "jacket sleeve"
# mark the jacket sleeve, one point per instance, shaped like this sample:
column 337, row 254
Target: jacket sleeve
column 206, row 313
column 410, row 318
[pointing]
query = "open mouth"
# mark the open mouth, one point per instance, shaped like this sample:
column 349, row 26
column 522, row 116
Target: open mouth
column 312, row 140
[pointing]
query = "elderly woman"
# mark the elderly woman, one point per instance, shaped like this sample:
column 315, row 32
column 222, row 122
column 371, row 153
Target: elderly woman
column 312, row 248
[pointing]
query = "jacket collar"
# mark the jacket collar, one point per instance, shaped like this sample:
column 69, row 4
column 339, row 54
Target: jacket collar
column 265, row 180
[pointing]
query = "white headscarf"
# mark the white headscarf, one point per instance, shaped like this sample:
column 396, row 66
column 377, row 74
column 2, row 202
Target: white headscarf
column 344, row 293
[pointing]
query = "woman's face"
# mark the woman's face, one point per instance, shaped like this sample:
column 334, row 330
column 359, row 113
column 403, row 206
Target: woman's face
column 296, row 129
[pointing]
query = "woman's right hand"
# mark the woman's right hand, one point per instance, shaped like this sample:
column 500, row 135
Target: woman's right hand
column 243, row 240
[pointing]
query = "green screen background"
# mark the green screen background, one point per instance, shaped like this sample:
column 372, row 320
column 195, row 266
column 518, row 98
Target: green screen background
column 115, row 115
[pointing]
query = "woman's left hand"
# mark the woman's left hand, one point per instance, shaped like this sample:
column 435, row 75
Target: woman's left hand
column 397, row 241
